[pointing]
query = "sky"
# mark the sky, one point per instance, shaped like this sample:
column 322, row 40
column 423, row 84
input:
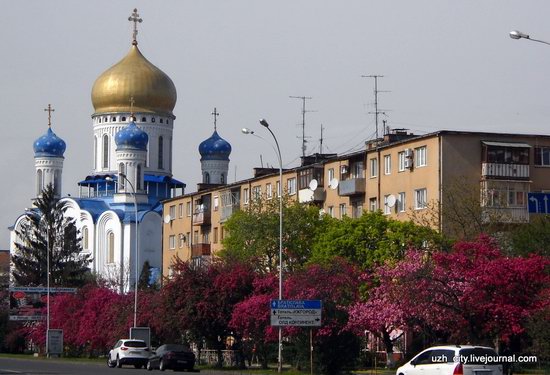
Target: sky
column 446, row 65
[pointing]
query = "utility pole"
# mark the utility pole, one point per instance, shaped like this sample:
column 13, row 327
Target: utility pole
column 376, row 91
column 303, row 98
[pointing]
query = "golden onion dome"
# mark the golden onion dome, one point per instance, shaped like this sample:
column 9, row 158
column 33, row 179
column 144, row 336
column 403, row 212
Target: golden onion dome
column 134, row 76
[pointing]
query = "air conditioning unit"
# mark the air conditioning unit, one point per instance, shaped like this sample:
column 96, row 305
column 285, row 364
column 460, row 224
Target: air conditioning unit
column 408, row 163
column 408, row 153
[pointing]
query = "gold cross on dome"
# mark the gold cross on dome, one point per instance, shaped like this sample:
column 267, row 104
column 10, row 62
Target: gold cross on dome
column 49, row 110
column 135, row 19
column 215, row 114
column 132, row 102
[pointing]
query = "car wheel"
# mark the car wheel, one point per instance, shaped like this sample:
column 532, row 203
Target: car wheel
column 118, row 363
column 110, row 363
column 162, row 366
column 149, row 366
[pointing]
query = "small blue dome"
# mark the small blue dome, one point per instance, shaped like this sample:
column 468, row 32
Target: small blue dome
column 215, row 148
column 49, row 145
column 131, row 137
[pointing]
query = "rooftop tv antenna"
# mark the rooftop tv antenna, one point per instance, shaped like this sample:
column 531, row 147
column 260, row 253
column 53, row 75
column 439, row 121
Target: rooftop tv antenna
column 376, row 91
column 304, row 141
column 321, row 141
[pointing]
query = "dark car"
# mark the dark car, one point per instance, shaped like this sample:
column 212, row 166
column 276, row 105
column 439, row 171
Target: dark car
column 172, row 356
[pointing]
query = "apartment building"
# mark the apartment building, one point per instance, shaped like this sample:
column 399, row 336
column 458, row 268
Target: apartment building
column 405, row 176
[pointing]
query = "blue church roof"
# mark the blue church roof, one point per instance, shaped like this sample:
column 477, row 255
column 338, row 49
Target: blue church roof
column 215, row 148
column 49, row 145
column 131, row 137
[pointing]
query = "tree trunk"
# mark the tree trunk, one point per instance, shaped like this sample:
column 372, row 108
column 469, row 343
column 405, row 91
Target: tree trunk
column 388, row 343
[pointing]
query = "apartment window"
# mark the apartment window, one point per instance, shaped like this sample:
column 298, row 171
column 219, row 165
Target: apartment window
column 401, row 161
column 291, row 186
column 330, row 175
column 172, row 242
column 196, row 237
column 216, row 202
column 387, row 164
column 401, row 202
column 215, row 235
column 188, row 208
column 330, row 211
column 357, row 170
column 506, row 195
column 343, row 210
column 387, row 208
column 420, row 198
column 374, row 167
column 180, row 210
column 420, row 156
column 373, row 204
column 256, row 192
column 269, row 191
column 356, row 209
column 511, row 155
column 542, row 156
column 172, row 212
column 188, row 237
column 278, row 185
column 246, row 196
column 181, row 240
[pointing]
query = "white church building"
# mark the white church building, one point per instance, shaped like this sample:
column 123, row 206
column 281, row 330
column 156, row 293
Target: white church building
column 132, row 169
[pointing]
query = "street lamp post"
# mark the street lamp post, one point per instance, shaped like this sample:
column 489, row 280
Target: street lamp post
column 122, row 175
column 515, row 34
column 265, row 124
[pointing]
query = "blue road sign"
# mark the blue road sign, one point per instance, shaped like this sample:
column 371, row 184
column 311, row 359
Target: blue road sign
column 539, row 203
column 296, row 313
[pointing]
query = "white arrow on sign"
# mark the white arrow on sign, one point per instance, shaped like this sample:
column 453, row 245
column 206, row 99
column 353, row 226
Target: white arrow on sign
column 545, row 204
column 533, row 199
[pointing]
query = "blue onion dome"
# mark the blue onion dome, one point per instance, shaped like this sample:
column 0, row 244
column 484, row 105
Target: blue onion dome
column 131, row 137
column 49, row 145
column 215, row 148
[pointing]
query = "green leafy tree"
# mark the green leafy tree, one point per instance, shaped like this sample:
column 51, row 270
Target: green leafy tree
column 371, row 239
column 254, row 234
column 532, row 237
column 47, row 230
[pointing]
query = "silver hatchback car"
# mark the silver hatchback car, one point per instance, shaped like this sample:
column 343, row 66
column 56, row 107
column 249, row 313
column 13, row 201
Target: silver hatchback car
column 453, row 360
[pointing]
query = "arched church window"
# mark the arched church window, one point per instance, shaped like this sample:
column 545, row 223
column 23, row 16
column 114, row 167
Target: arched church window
column 113, row 119
column 105, row 151
column 206, row 178
column 99, row 120
column 222, row 178
column 138, row 177
column 110, row 247
column 123, row 118
column 39, row 182
column 152, row 119
column 85, row 245
column 57, row 183
column 144, row 119
column 161, row 152
column 121, row 180
column 161, row 121
column 95, row 152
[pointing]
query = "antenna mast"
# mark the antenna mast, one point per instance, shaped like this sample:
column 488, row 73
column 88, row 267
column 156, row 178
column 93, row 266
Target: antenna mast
column 303, row 98
column 376, row 91
column 321, row 141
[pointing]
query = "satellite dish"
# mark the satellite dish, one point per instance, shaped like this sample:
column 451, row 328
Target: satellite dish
column 167, row 219
column 313, row 184
column 333, row 184
column 391, row 200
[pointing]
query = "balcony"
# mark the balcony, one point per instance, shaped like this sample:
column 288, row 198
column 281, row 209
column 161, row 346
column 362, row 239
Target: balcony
column 308, row 195
column 227, row 211
column 352, row 186
column 505, row 215
column 499, row 170
column 201, row 218
column 200, row 249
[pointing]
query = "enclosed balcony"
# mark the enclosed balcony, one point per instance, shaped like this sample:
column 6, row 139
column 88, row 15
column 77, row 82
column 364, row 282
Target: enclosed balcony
column 200, row 249
column 352, row 186
column 201, row 217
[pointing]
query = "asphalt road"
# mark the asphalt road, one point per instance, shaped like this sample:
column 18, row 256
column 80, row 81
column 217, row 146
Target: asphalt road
column 55, row 367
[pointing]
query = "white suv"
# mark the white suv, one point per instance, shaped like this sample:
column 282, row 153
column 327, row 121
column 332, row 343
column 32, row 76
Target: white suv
column 129, row 352
column 453, row 360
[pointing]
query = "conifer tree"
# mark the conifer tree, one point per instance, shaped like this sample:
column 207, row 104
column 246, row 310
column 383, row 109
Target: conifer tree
column 47, row 230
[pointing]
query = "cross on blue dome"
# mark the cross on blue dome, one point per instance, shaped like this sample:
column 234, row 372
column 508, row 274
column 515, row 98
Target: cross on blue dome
column 49, row 145
column 131, row 137
column 215, row 148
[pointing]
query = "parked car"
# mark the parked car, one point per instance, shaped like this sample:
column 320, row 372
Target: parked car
column 453, row 360
column 172, row 356
column 129, row 352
